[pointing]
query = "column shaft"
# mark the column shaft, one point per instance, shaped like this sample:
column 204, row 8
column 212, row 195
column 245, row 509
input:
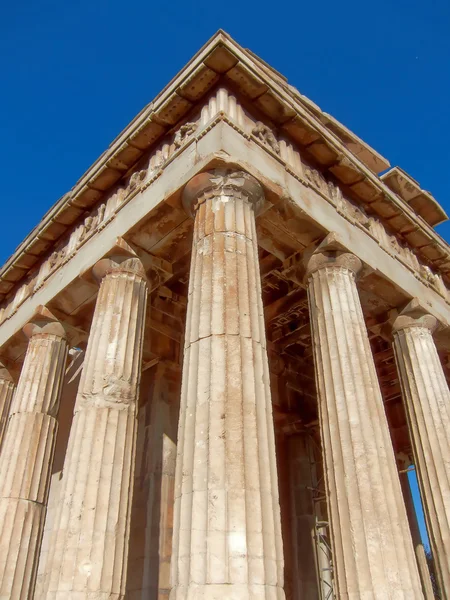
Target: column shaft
column 6, row 394
column 373, row 553
column 227, row 531
column 427, row 402
column 26, row 461
column 89, row 545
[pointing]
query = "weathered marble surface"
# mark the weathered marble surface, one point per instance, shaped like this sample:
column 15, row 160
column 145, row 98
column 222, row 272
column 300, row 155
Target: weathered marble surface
column 6, row 394
column 373, row 552
column 227, row 532
column 427, row 401
column 27, row 454
column 89, row 545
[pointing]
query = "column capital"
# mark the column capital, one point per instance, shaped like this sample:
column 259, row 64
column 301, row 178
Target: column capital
column 415, row 315
column 120, row 259
column 221, row 182
column 44, row 322
column 330, row 253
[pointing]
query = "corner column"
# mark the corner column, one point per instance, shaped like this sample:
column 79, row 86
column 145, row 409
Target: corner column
column 27, row 455
column 427, row 403
column 372, row 547
column 227, row 531
column 89, row 546
column 6, row 394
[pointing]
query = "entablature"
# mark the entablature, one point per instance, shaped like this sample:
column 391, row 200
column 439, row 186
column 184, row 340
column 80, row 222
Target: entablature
column 302, row 206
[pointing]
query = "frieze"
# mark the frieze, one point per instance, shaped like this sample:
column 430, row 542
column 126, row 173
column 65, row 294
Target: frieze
column 265, row 135
column 183, row 134
column 388, row 242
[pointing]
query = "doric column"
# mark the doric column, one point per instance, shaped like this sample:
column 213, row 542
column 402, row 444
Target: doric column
column 427, row 403
column 89, row 545
column 373, row 552
column 422, row 563
column 27, row 455
column 227, row 533
column 6, row 394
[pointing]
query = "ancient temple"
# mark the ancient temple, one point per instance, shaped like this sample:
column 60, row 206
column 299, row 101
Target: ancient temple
column 222, row 351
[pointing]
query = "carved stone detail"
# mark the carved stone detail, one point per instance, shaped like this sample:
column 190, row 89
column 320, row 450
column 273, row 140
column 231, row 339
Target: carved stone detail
column 92, row 222
column 136, row 178
column 265, row 135
column 184, row 133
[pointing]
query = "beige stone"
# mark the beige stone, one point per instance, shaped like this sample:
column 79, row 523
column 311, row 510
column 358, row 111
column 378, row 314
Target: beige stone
column 228, row 110
column 227, row 532
column 89, row 546
column 27, row 455
column 6, row 394
column 427, row 402
column 372, row 546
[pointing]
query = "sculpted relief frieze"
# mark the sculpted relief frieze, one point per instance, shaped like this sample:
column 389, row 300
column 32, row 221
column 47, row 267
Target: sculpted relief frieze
column 221, row 106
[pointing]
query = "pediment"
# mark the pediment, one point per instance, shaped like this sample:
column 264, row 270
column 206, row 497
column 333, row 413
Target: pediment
column 225, row 81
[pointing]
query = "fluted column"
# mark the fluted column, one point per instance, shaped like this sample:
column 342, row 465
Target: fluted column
column 89, row 545
column 227, row 532
column 421, row 558
column 27, row 455
column 427, row 402
column 372, row 547
column 6, row 394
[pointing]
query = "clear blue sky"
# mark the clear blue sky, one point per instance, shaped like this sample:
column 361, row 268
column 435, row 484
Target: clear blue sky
column 75, row 73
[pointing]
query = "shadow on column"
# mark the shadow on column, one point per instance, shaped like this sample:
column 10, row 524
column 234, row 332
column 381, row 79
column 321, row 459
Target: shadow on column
column 152, row 511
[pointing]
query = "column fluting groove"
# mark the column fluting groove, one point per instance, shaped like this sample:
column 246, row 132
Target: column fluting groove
column 6, row 394
column 89, row 544
column 427, row 403
column 27, row 455
column 227, row 530
column 372, row 548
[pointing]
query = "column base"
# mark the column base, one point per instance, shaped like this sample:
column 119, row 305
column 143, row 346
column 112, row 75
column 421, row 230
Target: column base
column 227, row 591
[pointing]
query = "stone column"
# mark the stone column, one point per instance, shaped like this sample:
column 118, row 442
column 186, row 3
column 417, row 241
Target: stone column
column 89, row 545
column 427, row 403
column 227, row 532
column 372, row 547
column 27, row 455
column 422, row 563
column 6, row 394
